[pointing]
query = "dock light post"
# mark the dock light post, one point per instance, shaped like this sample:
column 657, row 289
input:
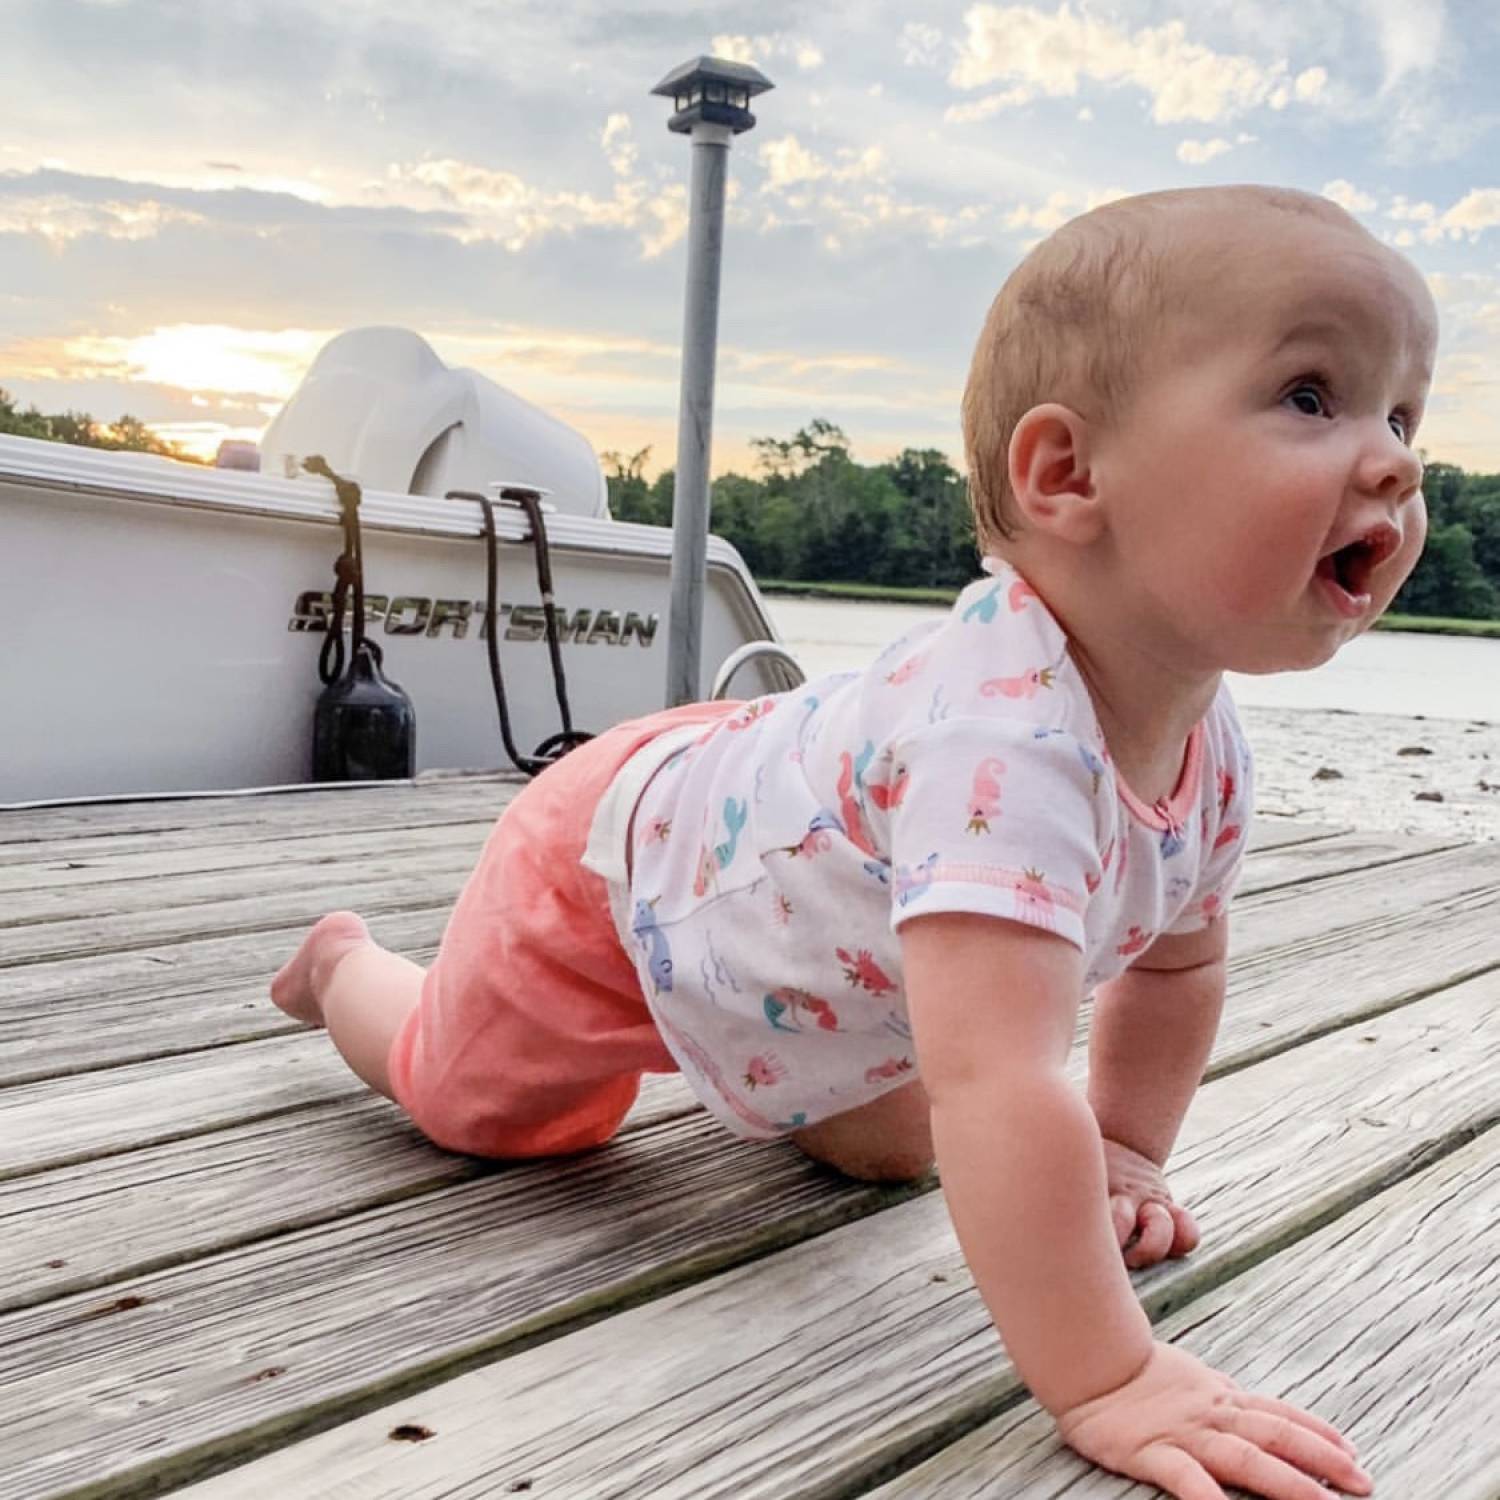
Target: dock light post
column 712, row 99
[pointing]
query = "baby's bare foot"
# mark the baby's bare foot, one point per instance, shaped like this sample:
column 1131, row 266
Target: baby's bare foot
column 298, row 988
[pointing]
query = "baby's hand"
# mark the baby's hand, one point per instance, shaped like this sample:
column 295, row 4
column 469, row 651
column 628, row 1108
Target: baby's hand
column 1140, row 1203
column 1180, row 1425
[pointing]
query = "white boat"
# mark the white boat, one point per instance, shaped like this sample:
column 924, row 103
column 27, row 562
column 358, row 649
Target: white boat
column 166, row 619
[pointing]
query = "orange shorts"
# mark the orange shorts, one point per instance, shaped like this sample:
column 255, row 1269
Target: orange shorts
column 532, row 1033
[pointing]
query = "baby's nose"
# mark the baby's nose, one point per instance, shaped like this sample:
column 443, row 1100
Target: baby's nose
column 1390, row 469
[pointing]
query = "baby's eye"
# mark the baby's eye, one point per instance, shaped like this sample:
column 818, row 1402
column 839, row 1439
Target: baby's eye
column 1400, row 425
column 1309, row 400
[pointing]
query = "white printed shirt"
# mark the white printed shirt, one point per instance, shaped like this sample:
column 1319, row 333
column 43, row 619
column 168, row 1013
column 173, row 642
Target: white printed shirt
column 777, row 854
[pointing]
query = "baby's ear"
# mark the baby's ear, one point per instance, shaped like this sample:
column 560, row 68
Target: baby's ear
column 1050, row 474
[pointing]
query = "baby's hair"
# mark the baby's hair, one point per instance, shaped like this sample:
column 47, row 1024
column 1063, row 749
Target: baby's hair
column 1075, row 320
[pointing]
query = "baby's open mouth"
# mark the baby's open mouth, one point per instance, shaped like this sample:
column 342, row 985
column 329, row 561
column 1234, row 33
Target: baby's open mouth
column 1352, row 565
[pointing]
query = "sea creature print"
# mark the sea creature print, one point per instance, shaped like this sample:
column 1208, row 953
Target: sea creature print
column 819, row 836
column 657, row 831
column 892, row 1067
column 810, row 708
column 1212, row 907
column 796, row 1122
column 984, row 608
column 1136, row 941
column 937, row 710
column 1226, row 790
column 693, row 1050
column 889, row 786
column 913, row 881
column 781, row 909
column 880, row 869
column 1178, row 885
column 907, row 670
column 706, row 877
column 654, row 941
column 760, row 783
column 1227, row 835
column 1172, row 841
column 735, row 816
column 849, row 788
column 1122, row 862
column 1020, row 595
column 1034, row 901
column 756, row 709
column 861, row 970
column 795, row 1010
column 1024, row 685
column 1093, row 765
column 763, row 1071
column 984, row 794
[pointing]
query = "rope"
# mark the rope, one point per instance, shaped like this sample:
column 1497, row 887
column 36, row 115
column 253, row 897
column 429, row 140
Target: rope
column 555, row 746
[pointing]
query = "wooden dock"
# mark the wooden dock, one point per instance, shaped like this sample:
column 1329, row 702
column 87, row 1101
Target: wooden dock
column 227, row 1270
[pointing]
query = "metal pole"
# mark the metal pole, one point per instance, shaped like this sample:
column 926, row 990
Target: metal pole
column 700, row 339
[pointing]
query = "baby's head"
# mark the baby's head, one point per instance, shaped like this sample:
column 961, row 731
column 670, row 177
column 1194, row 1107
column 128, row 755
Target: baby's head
column 1217, row 382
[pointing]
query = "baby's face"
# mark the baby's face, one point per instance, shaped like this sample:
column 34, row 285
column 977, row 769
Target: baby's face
column 1262, row 487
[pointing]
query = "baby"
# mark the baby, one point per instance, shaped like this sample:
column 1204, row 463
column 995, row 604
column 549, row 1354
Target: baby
column 863, row 914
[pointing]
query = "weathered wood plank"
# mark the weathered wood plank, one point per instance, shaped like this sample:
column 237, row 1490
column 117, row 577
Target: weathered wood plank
column 823, row 1366
column 74, row 1014
column 71, row 1119
column 81, row 1227
column 296, row 886
column 82, row 880
column 1274, row 1000
column 92, row 1010
column 76, row 936
column 1394, row 1307
column 1368, row 942
column 256, row 814
column 162, row 1370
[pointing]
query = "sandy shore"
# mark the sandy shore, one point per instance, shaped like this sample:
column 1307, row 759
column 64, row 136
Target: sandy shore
column 1378, row 785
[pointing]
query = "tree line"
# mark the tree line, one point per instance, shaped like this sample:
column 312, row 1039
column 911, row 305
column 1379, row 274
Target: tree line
column 811, row 513
column 78, row 427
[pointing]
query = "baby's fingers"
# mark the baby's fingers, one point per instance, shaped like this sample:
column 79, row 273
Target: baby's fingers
column 1301, row 1418
column 1176, row 1472
column 1252, row 1466
column 1314, row 1454
column 1157, row 1232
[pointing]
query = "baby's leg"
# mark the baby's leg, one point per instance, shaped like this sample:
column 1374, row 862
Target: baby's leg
column 343, row 979
column 887, row 1140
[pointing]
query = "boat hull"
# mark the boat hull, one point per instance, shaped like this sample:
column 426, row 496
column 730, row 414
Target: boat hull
column 165, row 638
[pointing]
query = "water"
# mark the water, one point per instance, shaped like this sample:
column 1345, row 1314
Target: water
column 1413, row 676
column 1398, row 732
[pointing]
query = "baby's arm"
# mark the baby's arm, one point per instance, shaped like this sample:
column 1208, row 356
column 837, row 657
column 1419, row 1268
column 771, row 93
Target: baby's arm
column 1153, row 1029
column 993, row 1006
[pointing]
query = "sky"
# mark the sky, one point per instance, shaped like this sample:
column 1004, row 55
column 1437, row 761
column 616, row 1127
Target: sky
column 196, row 196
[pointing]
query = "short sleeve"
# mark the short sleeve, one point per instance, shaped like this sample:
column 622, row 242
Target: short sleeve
column 1228, row 803
column 999, row 818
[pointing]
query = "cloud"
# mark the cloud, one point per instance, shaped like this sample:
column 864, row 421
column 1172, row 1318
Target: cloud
column 1410, row 34
column 1475, row 212
column 1348, row 197
column 919, row 44
column 1049, row 54
column 787, row 163
column 1195, row 153
column 752, row 49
